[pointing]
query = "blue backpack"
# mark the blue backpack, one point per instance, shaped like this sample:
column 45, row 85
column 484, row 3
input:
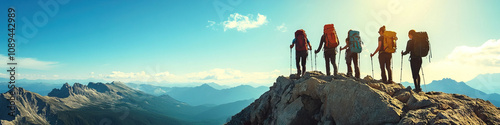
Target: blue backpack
column 355, row 41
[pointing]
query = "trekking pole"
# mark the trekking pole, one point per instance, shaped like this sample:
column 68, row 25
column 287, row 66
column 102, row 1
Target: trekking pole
column 425, row 87
column 290, row 60
column 340, row 53
column 359, row 64
column 315, row 62
column 401, row 74
column 371, row 58
column 311, row 60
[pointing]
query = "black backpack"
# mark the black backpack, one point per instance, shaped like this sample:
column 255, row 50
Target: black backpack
column 420, row 44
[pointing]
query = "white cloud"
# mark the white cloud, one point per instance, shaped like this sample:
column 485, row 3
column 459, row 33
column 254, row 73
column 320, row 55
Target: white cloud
column 211, row 25
column 465, row 62
column 282, row 28
column 242, row 23
column 28, row 63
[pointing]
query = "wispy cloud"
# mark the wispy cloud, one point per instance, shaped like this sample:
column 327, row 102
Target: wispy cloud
column 466, row 62
column 28, row 63
column 242, row 23
column 282, row 28
column 211, row 25
column 217, row 75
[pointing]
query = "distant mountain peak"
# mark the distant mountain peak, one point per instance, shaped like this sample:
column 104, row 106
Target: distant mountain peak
column 99, row 87
column 78, row 89
column 205, row 86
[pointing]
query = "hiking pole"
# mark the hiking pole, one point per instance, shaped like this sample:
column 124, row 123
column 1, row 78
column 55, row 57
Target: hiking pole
column 371, row 58
column 290, row 60
column 401, row 74
column 425, row 87
column 315, row 62
column 359, row 64
column 340, row 53
column 311, row 60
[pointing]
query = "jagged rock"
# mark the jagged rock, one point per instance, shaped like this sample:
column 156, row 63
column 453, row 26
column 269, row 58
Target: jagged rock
column 403, row 95
column 319, row 99
column 99, row 87
column 416, row 101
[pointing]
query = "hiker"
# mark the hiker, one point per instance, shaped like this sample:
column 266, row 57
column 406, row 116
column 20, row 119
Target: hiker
column 353, row 47
column 330, row 41
column 418, row 46
column 301, row 50
column 386, row 46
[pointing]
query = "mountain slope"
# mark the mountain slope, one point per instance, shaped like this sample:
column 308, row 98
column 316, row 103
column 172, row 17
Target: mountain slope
column 94, row 104
column 488, row 83
column 204, row 94
column 448, row 85
column 319, row 99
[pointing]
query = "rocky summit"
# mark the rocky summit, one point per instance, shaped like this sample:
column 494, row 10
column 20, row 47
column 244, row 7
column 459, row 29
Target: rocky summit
column 327, row 100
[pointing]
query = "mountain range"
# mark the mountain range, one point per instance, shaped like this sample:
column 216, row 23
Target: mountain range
column 448, row 85
column 114, row 103
column 487, row 83
column 204, row 94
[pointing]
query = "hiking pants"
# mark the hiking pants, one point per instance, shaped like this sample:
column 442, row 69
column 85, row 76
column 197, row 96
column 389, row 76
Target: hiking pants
column 416, row 64
column 330, row 58
column 301, row 55
column 385, row 64
column 352, row 57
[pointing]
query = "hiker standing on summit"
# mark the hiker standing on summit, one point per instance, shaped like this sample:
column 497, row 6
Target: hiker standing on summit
column 415, row 61
column 386, row 46
column 330, row 41
column 418, row 46
column 353, row 46
column 301, row 50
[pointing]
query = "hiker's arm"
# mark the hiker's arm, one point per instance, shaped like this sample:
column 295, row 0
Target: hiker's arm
column 346, row 45
column 293, row 42
column 378, row 48
column 320, row 44
column 408, row 48
column 308, row 43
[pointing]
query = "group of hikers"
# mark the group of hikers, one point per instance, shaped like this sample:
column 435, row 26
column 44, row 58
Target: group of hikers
column 417, row 46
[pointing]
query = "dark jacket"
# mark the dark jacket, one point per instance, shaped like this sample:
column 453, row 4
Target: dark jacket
column 409, row 48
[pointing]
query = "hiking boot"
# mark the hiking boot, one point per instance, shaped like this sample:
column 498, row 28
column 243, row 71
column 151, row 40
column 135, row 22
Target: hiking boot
column 390, row 82
column 419, row 89
column 349, row 75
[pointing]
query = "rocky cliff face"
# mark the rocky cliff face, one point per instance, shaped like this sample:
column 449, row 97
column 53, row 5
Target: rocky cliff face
column 326, row 100
column 78, row 89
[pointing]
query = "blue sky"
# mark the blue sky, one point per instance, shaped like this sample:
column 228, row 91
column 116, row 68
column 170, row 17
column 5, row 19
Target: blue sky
column 211, row 41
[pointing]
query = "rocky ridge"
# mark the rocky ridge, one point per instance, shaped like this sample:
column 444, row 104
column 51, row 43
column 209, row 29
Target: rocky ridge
column 327, row 100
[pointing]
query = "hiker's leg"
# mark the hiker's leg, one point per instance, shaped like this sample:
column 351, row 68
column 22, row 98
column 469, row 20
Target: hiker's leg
column 388, row 67
column 356, row 66
column 297, row 62
column 381, row 61
column 332, row 60
column 327, row 64
column 303, row 63
column 348, row 62
column 418, row 64
column 414, row 72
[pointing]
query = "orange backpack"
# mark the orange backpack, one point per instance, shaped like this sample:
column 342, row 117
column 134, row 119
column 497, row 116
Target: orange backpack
column 330, row 36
